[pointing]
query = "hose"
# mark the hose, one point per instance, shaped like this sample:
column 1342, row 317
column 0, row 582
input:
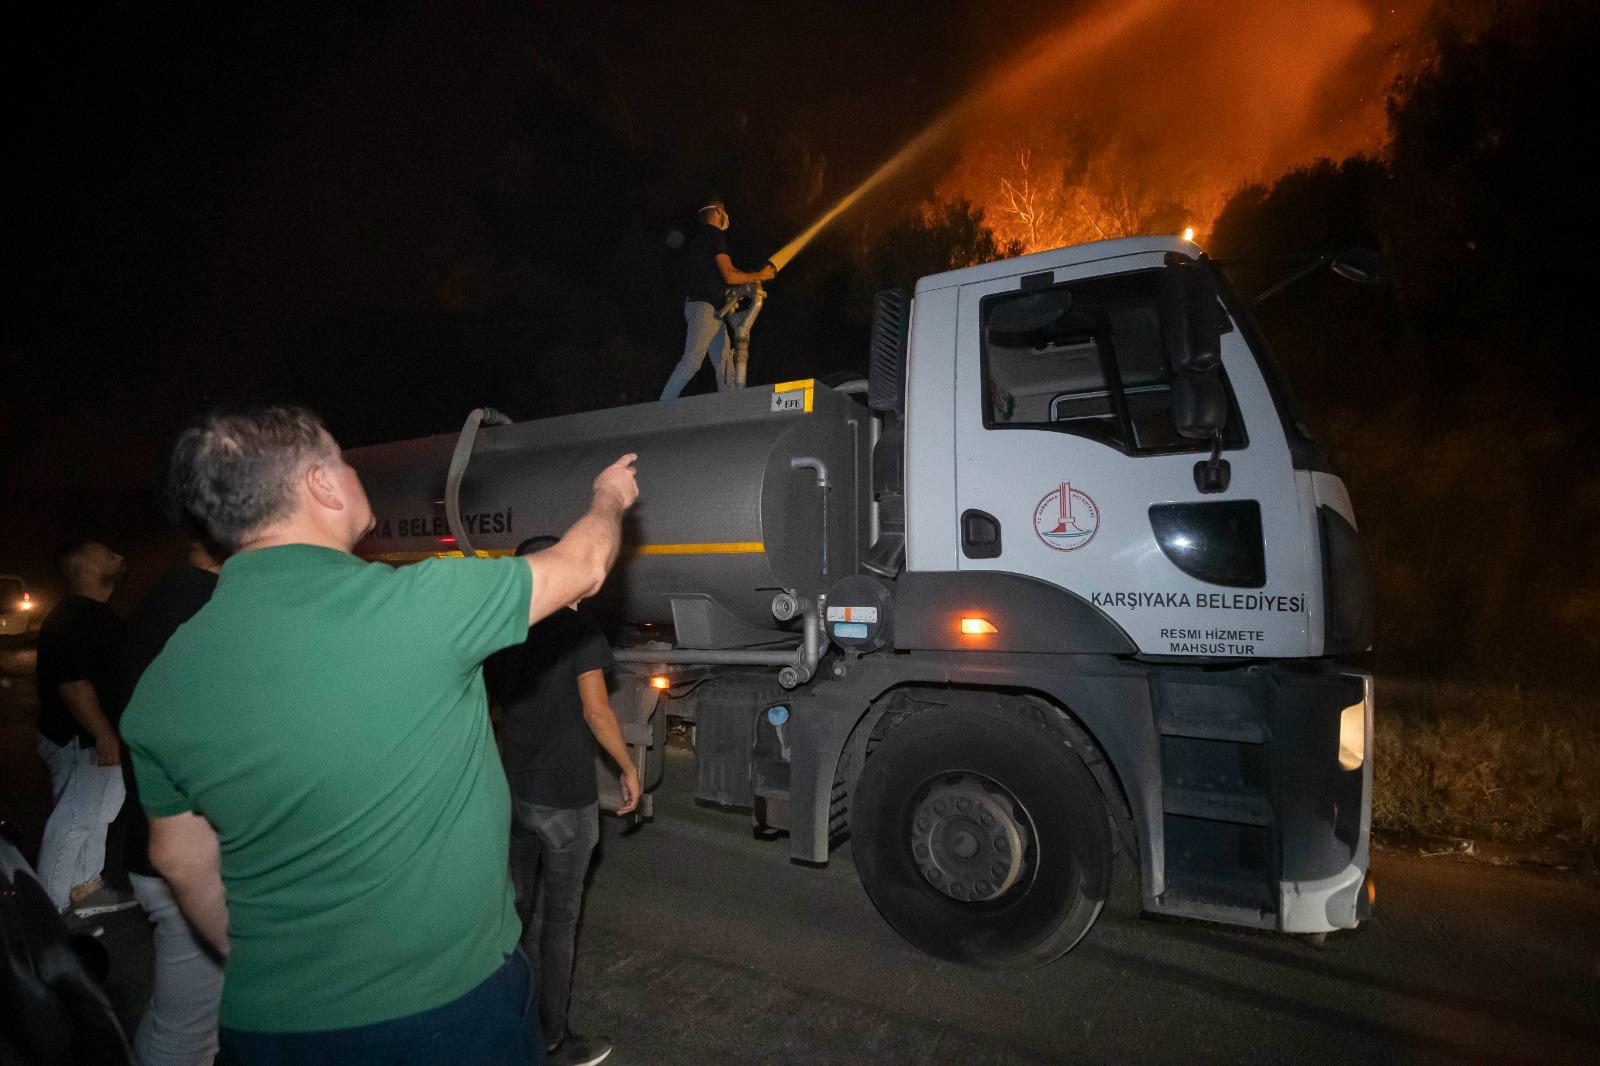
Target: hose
column 458, row 472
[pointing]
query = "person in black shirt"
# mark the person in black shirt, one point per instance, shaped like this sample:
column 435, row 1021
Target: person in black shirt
column 180, row 1025
column 80, row 698
column 708, row 272
column 551, row 691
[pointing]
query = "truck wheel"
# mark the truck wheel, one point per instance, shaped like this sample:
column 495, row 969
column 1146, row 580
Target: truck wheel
column 981, row 837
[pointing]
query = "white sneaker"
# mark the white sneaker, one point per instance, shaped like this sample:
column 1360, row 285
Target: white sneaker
column 102, row 900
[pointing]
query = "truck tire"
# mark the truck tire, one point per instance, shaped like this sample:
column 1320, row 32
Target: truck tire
column 981, row 836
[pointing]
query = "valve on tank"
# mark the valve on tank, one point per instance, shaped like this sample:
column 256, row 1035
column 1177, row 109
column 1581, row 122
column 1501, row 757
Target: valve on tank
column 785, row 605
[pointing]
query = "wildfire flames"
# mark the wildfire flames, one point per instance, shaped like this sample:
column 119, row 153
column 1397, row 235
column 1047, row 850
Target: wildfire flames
column 1142, row 117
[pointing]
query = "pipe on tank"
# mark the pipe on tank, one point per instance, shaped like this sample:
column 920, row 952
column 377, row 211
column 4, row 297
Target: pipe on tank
column 458, row 471
column 811, row 462
column 796, row 665
column 675, row 657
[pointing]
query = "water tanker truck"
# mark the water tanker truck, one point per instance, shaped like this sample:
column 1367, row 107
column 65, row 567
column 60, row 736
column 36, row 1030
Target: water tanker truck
column 1064, row 584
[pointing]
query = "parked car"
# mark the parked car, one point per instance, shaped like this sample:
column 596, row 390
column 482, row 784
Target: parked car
column 19, row 612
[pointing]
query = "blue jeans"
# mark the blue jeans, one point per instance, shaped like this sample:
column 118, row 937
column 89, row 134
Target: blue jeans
column 705, row 333
column 550, row 852
column 494, row 1024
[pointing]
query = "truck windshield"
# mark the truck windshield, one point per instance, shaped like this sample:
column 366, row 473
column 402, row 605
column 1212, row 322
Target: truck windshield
column 1307, row 451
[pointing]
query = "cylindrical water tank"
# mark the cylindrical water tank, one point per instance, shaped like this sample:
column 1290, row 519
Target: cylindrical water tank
column 722, row 521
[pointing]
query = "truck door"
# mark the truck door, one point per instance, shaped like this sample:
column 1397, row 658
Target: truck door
column 1070, row 468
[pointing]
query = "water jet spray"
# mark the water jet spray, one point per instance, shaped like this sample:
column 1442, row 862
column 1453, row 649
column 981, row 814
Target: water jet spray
column 1013, row 80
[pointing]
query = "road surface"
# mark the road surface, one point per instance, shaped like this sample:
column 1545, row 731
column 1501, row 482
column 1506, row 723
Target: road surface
column 703, row 945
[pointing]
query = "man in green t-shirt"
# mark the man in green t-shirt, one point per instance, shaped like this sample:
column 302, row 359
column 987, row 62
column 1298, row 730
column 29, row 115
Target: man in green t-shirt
column 312, row 748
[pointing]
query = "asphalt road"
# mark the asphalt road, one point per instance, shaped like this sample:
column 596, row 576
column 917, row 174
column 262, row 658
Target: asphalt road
column 701, row 944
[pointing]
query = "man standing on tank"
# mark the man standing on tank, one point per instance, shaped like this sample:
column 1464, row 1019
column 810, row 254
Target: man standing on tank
column 708, row 273
column 555, row 711
column 323, row 791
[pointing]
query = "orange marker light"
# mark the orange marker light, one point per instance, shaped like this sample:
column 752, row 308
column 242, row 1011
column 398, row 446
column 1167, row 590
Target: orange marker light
column 976, row 626
column 660, row 682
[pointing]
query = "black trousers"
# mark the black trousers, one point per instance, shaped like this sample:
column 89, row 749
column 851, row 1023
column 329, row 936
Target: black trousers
column 550, row 852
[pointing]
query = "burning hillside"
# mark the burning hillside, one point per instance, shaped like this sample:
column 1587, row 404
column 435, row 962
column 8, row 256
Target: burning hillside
column 1142, row 117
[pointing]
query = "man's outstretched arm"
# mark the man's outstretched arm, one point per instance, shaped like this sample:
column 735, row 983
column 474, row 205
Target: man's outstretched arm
column 576, row 566
column 184, row 849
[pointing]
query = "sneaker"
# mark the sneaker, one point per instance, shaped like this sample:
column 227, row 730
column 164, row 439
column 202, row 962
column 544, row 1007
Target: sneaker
column 102, row 900
column 575, row 1050
column 82, row 926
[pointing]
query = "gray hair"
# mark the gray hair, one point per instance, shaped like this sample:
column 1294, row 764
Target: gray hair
column 232, row 475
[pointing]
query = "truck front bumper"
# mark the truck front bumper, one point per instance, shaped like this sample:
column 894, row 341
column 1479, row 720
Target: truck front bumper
column 1322, row 904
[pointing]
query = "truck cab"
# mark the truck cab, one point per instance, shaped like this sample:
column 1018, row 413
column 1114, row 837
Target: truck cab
column 1047, row 385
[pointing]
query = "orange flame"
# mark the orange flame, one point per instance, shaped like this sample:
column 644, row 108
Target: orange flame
column 1144, row 115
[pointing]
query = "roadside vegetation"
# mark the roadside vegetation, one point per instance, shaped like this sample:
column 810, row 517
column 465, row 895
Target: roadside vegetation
column 1503, row 765
column 1460, row 403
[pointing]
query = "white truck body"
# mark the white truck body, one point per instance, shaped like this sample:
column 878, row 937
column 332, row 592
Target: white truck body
column 1066, row 591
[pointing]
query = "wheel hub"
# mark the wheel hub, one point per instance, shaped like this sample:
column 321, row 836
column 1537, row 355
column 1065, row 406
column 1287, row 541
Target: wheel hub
column 967, row 839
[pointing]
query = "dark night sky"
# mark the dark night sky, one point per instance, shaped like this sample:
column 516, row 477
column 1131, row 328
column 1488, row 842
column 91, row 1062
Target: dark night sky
column 397, row 211
column 196, row 185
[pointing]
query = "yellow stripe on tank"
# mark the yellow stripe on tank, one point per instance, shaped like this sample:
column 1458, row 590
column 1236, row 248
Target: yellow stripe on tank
column 417, row 557
column 736, row 547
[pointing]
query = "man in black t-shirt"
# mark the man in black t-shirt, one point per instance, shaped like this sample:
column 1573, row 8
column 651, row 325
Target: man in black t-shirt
column 180, row 1024
column 551, row 691
column 80, row 699
column 708, row 273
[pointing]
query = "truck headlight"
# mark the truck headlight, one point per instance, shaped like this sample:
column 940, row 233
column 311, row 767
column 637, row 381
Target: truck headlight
column 1353, row 736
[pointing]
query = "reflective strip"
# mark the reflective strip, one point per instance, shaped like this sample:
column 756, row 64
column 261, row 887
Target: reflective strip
column 727, row 548
column 737, row 547
column 806, row 384
column 417, row 557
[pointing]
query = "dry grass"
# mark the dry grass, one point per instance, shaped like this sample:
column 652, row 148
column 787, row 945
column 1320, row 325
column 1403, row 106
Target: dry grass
column 1497, row 763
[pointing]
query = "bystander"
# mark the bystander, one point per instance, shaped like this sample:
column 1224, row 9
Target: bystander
column 554, row 708
column 79, row 700
column 313, row 753
column 179, row 1027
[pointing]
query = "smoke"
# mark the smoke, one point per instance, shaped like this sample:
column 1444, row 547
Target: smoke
column 1143, row 116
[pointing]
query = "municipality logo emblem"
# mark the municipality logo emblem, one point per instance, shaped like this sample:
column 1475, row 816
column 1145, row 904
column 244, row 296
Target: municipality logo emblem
column 1066, row 519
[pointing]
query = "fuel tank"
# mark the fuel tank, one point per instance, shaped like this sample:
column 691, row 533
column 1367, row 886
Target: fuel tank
column 723, row 522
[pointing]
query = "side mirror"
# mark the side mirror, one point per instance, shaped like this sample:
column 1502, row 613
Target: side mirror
column 1200, row 412
column 1191, row 317
column 1362, row 266
column 1191, row 329
column 1199, row 405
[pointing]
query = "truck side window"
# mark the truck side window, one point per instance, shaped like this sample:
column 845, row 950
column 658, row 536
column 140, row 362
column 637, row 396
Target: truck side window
column 1086, row 358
